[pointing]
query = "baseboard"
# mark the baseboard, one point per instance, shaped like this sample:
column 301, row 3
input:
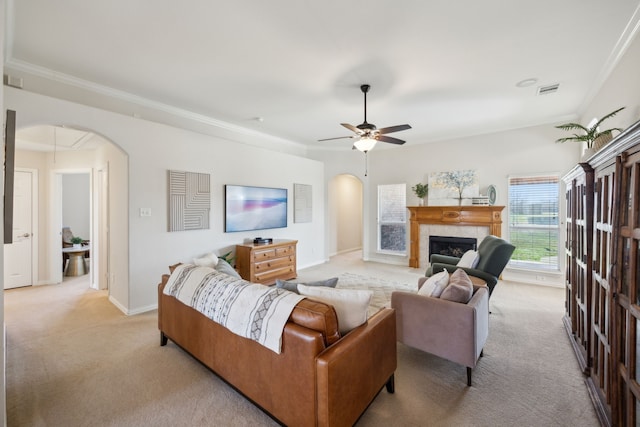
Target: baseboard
column 313, row 264
column 143, row 309
column 541, row 278
column 128, row 312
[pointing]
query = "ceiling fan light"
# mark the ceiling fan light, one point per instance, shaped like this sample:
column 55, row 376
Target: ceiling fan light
column 365, row 144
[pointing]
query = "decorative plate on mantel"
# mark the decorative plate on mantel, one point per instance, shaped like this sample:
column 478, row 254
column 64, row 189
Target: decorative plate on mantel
column 492, row 194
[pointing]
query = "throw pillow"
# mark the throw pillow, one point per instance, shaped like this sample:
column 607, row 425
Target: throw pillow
column 224, row 267
column 435, row 284
column 209, row 260
column 460, row 288
column 293, row 286
column 351, row 305
column 469, row 259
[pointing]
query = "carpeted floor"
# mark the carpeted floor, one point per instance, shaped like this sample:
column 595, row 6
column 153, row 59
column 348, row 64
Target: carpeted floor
column 73, row 359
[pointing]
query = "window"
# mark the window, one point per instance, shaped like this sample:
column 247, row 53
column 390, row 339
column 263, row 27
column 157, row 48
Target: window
column 533, row 222
column 392, row 218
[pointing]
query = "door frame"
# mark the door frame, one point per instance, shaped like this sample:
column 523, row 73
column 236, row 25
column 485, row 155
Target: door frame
column 55, row 223
column 100, row 251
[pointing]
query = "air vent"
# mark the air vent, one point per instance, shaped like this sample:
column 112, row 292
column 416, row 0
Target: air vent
column 545, row 90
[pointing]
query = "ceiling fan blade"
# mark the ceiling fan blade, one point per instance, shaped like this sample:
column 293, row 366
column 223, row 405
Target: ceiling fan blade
column 390, row 139
column 352, row 128
column 391, row 129
column 338, row 137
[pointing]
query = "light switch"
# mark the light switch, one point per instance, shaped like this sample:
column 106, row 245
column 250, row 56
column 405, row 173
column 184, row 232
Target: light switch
column 145, row 211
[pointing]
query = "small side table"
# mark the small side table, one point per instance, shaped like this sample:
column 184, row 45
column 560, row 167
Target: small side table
column 75, row 265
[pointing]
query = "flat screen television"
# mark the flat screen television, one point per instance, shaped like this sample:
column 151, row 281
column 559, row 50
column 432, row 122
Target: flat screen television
column 254, row 208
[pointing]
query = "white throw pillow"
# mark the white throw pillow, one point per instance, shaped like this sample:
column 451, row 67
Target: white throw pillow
column 469, row 259
column 435, row 284
column 209, row 260
column 351, row 305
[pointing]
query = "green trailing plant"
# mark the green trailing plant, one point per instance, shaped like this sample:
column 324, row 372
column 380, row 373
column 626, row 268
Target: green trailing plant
column 421, row 190
column 228, row 257
column 590, row 133
column 76, row 240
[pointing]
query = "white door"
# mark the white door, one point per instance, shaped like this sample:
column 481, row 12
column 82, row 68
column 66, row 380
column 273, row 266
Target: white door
column 18, row 256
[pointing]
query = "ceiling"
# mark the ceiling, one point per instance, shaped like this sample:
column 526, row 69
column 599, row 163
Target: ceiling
column 292, row 69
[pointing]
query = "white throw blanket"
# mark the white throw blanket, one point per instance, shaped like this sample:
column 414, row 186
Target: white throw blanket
column 247, row 309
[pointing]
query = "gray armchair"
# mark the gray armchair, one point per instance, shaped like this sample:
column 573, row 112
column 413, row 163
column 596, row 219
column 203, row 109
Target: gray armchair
column 447, row 329
column 494, row 254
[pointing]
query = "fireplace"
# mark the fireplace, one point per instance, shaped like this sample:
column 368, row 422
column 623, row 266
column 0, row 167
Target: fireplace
column 451, row 246
column 479, row 221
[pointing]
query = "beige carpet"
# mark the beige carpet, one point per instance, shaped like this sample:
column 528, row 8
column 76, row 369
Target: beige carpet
column 73, row 359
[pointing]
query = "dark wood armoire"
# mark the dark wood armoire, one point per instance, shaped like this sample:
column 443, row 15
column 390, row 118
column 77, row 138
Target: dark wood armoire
column 602, row 275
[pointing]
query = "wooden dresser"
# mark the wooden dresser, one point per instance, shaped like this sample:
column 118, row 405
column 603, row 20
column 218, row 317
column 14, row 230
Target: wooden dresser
column 264, row 263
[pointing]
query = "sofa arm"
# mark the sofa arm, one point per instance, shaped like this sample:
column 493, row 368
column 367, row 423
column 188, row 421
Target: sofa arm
column 489, row 278
column 443, row 259
column 351, row 372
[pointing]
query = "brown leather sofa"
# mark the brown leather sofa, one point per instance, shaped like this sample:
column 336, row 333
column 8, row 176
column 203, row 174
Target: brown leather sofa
column 318, row 379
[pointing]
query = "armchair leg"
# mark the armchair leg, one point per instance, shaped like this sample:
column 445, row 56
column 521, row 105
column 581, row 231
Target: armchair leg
column 469, row 376
column 391, row 384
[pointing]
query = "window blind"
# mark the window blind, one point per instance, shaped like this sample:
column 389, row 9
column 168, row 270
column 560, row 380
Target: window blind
column 392, row 218
column 533, row 221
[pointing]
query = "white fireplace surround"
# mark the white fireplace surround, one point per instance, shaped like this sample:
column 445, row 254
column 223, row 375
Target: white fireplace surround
column 428, row 230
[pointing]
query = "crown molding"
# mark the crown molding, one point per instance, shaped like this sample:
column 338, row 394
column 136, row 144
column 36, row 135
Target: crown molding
column 623, row 43
column 120, row 95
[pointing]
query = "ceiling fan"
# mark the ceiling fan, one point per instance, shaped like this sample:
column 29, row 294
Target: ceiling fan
column 367, row 133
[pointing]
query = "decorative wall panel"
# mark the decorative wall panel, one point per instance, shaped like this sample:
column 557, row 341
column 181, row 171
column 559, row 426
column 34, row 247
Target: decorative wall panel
column 302, row 194
column 189, row 200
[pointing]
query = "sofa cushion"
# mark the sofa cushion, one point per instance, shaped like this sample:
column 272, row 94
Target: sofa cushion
column 293, row 286
column 470, row 259
column 435, row 284
column 351, row 305
column 224, row 267
column 460, row 288
column 209, row 260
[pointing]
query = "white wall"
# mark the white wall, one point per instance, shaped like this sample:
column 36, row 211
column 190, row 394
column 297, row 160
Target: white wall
column 622, row 89
column 76, row 204
column 148, row 248
column 495, row 157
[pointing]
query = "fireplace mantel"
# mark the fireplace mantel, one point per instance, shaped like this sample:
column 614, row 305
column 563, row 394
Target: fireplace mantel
column 488, row 216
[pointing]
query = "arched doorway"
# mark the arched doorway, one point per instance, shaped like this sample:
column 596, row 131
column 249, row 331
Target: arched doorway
column 345, row 201
column 55, row 152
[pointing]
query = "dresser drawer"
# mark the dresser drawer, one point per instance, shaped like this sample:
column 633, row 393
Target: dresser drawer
column 285, row 250
column 262, row 254
column 274, row 264
column 269, row 277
